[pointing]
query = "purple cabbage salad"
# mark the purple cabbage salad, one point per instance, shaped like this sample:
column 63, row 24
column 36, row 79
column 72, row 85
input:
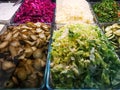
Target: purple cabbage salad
column 35, row 11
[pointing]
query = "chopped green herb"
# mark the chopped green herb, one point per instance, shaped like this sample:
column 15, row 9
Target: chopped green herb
column 106, row 10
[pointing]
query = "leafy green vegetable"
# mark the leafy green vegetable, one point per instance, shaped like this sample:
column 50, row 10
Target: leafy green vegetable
column 106, row 10
column 83, row 58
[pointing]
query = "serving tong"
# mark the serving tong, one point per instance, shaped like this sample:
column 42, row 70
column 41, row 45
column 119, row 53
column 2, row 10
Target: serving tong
column 18, row 2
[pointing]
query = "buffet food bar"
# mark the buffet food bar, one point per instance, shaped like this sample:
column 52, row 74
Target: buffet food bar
column 60, row 44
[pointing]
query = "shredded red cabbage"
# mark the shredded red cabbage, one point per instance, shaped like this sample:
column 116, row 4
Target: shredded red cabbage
column 35, row 11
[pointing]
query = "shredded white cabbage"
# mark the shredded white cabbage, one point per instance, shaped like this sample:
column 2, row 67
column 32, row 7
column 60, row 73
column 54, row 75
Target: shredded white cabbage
column 73, row 11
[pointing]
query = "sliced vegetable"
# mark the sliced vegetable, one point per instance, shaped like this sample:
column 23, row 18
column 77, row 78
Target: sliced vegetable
column 112, row 32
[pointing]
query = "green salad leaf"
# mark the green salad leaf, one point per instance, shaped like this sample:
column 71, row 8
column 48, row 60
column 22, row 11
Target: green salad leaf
column 82, row 57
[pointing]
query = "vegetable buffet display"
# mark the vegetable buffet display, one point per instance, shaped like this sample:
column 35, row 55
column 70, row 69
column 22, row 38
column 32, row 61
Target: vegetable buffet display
column 79, row 54
column 23, row 53
column 81, row 57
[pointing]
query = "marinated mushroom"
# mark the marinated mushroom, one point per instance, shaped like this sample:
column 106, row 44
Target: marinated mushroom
column 13, row 51
column 39, row 64
column 21, row 74
column 23, row 54
column 6, row 65
column 9, row 35
column 38, row 53
column 33, row 37
column 28, row 51
column 15, row 43
column 3, row 44
column 9, row 84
